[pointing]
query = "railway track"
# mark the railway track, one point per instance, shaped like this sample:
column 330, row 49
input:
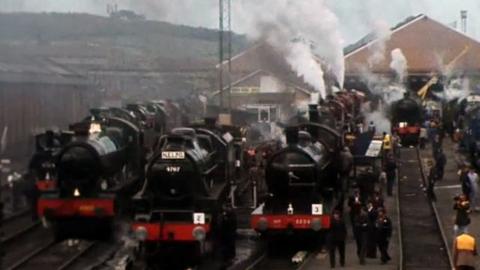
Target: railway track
column 22, row 236
column 282, row 261
column 422, row 243
column 51, row 255
column 16, row 225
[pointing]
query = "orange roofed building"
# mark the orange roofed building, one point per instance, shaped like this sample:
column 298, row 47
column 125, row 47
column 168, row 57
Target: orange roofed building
column 428, row 46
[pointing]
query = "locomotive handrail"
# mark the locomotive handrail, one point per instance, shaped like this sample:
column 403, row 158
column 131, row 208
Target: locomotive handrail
column 207, row 172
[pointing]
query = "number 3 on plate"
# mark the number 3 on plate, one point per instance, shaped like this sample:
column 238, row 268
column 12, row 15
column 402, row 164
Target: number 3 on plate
column 317, row 209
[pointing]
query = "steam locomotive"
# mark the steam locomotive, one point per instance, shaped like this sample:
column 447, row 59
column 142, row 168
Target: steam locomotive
column 181, row 207
column 95, row 172
column 304, row 179
column 406, row 119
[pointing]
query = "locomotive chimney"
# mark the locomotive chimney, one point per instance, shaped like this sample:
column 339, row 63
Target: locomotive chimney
column 313, row 113
column 291, row 134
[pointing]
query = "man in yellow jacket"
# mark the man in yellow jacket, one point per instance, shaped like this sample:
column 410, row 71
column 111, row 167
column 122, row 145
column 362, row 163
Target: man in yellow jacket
column 464, row 250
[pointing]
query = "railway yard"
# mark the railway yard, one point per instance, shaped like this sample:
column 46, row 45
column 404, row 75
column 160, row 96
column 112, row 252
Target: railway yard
column 143, row 138
column 30, row 246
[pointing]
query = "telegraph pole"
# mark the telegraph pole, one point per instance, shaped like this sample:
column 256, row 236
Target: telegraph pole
column 463, row 17
column 220, row 53
column 225, row 19
column 229, row 12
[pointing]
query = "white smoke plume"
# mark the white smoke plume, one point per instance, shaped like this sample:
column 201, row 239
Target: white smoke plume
column 302, row 60
column 457, row 89
column 379, row 85
column 382, row 123
column 382, row 33
column 312, row 25
column 399, row 64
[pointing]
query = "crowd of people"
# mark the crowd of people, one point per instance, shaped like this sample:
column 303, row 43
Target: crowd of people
column 370, row 225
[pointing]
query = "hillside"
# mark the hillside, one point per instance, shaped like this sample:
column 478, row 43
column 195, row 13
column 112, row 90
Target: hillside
column 134, row 38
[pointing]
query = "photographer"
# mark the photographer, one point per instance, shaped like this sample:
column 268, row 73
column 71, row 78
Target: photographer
column 462, row 219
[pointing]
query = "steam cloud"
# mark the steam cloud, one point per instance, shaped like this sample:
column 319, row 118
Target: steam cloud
column 457, row 89
column 390, row 91
column 300, row 30
column 382, row 34
column 399, row 64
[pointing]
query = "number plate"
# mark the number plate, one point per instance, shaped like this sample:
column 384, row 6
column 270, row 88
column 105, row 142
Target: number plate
column 317, row 209
column 173, row 155
column 198, row 218
column 86, row 208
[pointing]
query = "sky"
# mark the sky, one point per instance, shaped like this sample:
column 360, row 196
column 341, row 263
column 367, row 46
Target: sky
column 356, row 17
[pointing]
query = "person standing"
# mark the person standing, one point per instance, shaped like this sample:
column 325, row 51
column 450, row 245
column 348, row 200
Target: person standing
column 464, row 180
column 462, row 219
column 432, row 179
column 473, row 178
column 422, row 137
column 377, row 200
column 390, row 169
column 336, row 239
column 387, row 143
column 440, row 162
column 355, row 204
column 372, row 215
column 360, row 233
column 371, row 127
column 228, row 233
column 464, row 252
column 436, row 143
column 383, row 227
column 397, row 144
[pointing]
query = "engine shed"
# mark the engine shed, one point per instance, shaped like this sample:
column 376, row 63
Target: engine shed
column 430, row 48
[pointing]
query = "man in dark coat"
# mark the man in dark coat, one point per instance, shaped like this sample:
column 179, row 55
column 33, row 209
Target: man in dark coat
column 366, row 182
column 390, row 170
column 228, row 233
column 372, row 215
column 462, row 217
column 377, row 200
column 360, row 232
column 355, row 204
column 383, row 227
column 336, row 238
column 440, row 162
column 465, row 181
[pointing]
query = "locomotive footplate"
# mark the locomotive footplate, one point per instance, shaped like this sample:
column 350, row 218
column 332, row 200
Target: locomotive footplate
column 183, row 226
column 87, row 207
column 261, row 221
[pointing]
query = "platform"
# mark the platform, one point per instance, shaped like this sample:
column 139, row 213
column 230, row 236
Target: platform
column 448, row 188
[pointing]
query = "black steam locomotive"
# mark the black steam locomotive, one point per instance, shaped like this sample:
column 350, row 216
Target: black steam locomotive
column 304, row 179
column 98, row 170
column 406, row 118
column 180, row 209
